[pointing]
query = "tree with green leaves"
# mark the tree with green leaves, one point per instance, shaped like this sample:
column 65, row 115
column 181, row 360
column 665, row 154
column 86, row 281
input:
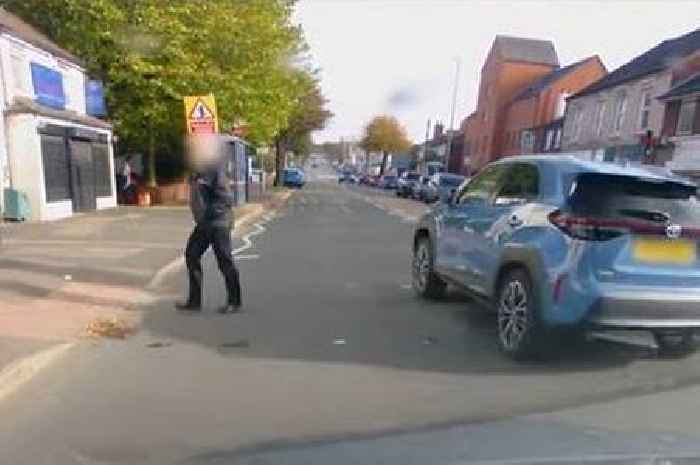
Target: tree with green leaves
column 151, row 53
column 309, row 114
column 384, row 134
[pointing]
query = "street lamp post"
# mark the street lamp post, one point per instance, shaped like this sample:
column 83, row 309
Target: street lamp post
column 458, row 64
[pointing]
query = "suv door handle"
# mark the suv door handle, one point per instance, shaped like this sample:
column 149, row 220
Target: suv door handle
column 514, row 221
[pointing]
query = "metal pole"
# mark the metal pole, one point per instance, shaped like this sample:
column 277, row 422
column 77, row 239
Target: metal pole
column 425, row 146
column 452, row 112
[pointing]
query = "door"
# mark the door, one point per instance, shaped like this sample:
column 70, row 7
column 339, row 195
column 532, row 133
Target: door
column 456, row 237
column 82, row 176
column 493, row 224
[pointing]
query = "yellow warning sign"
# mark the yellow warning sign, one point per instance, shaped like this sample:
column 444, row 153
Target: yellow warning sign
column 200, row 114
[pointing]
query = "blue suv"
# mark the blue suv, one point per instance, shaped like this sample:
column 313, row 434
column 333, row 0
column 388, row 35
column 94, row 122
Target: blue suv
column 555, row 242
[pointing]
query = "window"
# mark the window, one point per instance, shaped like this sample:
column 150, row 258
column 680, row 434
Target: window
column 686, row 117
column 56, row 168
column 557, row 139
column 19, row 74
column 620, row 108
column 644, row 109
column 611, row 196
column 483, row 187
column 561, row 104
column 527, row 139
column 520, row 186
column 549, row 140
column 600, row 118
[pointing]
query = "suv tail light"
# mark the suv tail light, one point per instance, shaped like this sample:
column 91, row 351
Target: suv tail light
column 604, row 229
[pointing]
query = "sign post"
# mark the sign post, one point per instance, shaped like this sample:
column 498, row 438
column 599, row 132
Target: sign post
column 200, row 115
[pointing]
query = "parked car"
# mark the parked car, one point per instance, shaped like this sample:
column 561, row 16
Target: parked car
column 346, row 176
column 364, row 179
column 388, row 181
column 420, row 188
column 293, row 177
column 406, row 183
column 441, row 186
column 554, row 242
column 374, row 181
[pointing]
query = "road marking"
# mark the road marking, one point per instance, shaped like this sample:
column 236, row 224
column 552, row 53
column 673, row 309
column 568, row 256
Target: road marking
column 406, row 287
column 247, row 243
column 23, row 370
column 179, row 262
column 247, row 257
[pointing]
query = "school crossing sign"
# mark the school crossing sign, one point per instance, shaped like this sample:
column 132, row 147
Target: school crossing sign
column 200, row 114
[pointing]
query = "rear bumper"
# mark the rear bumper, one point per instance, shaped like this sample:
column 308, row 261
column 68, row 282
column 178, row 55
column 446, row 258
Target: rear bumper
column 647, row 312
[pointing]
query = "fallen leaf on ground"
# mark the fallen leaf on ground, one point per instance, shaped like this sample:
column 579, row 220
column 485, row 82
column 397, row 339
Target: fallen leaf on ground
column 109, row 327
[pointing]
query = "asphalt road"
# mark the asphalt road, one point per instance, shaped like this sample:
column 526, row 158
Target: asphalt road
column 332, row 345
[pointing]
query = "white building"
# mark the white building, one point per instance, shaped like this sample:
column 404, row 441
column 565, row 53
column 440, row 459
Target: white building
column 51, row 149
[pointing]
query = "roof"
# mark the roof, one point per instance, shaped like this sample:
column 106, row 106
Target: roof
column 27, row 105
column 14, row 25
column 574, row 164
column 654, row 60
column 687, row 87
column 528, row 50
column 542, row 83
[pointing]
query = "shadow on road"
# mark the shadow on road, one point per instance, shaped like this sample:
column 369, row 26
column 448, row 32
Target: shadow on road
column 331, row 286
column 464, row 341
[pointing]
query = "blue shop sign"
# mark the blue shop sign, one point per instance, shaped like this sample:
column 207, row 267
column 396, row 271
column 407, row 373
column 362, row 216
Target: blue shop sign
column 48, row 86
column 95, row 98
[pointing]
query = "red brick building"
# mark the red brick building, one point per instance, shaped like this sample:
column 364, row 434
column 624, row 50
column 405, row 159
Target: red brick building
column 533, row 120
column 520, row 88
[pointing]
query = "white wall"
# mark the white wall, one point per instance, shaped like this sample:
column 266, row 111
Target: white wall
column 20, row 144
column 24, row 149
column 630, row 131
column 16, row 54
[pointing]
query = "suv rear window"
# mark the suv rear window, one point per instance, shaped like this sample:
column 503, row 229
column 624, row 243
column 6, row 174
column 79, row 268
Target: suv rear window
column 613, row 196
column 412, row 176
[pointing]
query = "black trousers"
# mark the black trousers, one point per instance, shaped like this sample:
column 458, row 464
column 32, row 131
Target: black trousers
column 219, row 238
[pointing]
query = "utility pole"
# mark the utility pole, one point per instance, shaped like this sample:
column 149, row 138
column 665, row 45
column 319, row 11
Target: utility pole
column 425, row 145
column 458, row 63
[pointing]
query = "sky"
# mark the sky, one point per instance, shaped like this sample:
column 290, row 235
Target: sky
column 399, row 57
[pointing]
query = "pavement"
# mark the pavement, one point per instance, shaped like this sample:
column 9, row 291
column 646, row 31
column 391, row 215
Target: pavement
column 56, row 278
column 335, row 360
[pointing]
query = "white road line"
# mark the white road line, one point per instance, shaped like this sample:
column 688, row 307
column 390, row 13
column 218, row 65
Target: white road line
column 247, row 257
column 247, row 243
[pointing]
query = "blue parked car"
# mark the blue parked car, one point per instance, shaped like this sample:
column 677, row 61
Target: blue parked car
column 293, row 177
column 441, row 186
column 389, row 182
column 554, row 242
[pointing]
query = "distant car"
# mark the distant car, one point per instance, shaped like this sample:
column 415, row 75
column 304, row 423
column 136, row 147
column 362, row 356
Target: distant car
column 441, row 186
column 347, row 177
column 388, row 181
column 374, row 181
column 293, row 177
column 363, row 179
column 419, row 188
column 406, row 183
column 556, row 244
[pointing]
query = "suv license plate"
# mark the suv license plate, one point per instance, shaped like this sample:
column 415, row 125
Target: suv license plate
column 680, row 252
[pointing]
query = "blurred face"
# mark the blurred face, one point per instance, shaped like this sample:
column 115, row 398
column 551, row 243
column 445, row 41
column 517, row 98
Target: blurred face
column 202, row 150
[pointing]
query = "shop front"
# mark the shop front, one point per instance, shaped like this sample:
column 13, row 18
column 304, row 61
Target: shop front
column 61, row 161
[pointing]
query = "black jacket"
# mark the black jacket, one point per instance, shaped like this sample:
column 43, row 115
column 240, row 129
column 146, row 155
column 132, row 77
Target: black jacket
column 210, row 197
